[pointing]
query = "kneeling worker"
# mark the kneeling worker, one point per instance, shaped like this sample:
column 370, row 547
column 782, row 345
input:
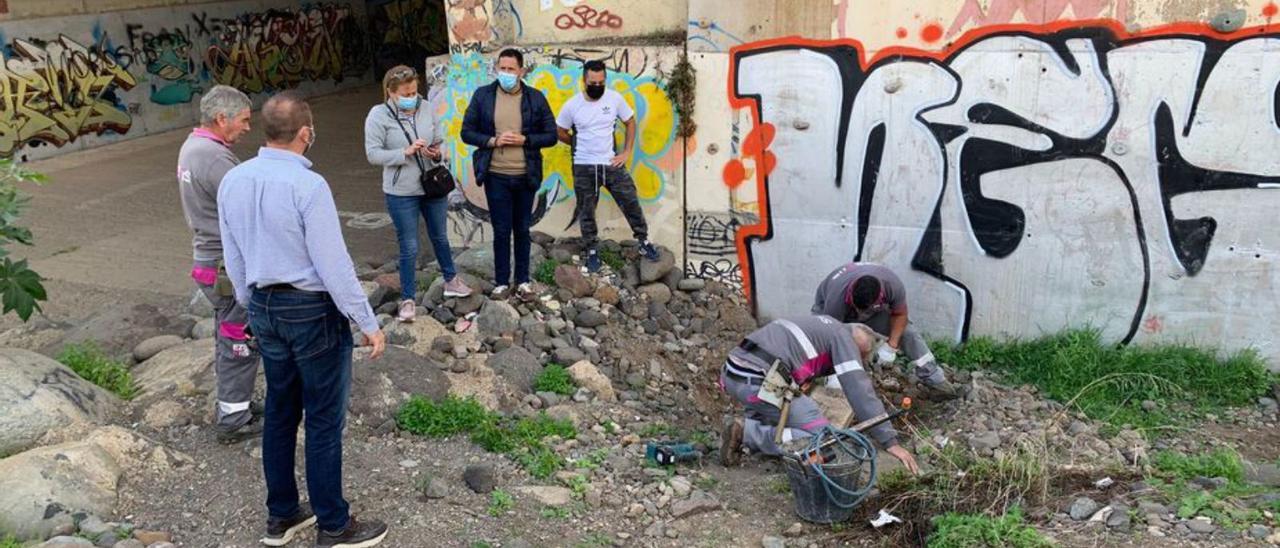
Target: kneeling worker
column 804, row 349
column 873, row 295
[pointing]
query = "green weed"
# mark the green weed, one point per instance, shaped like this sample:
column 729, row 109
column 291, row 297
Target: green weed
column 1109, row 383
column 613, row 258
column 706, row 483
column 970, row 531
column 657, row 430
column 594, row 540
column 1223, row 463
column 500, row 502
column 546, row 272
column 554, row 512
column 593, row 459
column 10, row 541
column 554, row 378
column 450, row 416
column 779, row 484
column 88, row 361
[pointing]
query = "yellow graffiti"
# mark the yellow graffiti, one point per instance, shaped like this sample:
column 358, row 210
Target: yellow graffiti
column 655, row 116
column 57, row 92
column 278, row 50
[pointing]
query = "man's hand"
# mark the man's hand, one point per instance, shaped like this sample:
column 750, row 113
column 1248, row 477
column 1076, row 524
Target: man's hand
column 886, row 353
column 378, row 340
column 510, row 138
column 906, row 458
column 621, row 159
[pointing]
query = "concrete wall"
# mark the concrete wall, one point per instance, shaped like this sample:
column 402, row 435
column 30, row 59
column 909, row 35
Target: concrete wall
column 77, row 81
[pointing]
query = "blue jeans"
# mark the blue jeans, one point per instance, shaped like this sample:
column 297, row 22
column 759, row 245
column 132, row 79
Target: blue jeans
column 510, row 210
column 306, row 346
column 404, row 211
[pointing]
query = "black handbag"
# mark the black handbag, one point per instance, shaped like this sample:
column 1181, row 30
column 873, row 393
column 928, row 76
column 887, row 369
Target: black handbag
column 437, row 182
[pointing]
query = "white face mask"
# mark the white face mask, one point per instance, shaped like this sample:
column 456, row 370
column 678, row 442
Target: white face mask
column 310, row 142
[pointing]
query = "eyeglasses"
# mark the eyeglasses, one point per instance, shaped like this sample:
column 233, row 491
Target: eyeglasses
column 404, row 73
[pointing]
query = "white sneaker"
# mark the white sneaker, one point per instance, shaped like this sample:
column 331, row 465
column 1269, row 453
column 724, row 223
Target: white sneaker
column 408, row 310
column 525, row 292
column 500, row 292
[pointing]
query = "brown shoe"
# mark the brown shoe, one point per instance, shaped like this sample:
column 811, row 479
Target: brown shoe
column 731, row 442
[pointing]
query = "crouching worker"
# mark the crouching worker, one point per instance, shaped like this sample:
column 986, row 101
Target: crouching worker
column 804, row 349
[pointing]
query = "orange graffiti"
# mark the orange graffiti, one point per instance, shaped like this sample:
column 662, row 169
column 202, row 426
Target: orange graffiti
column 756, row 148
column 901, row 33
column 931, row 33
column 1270, row 10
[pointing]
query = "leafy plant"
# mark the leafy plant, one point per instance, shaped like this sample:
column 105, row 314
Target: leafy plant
column 10, row 541
column 499, row 502
column 450, row 416
column 554, row 378
column 21, row 289
column 613, row 258
column 546, row 272
column 1109, row 383
column 681, row 86
column 88, row 361
column 1223, row 463
column 971, row 531
column 554, row 512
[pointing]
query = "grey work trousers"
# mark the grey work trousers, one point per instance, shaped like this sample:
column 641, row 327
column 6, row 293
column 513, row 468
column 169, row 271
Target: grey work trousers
column 912, row 346
column 803, row 419
column 587, row 180
column 234, row 362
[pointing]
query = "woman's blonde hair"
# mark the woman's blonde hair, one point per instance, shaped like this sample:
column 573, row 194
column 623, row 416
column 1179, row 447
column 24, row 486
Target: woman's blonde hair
column 395, row 77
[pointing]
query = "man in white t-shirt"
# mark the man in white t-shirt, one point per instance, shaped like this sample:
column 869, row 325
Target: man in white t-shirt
column 592, row 115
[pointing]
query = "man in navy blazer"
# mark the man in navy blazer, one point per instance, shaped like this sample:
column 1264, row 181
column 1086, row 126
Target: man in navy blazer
column 509, row 123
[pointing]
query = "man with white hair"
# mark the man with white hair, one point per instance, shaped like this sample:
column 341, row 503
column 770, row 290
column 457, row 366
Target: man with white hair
column 802, row 349
column 205, row 157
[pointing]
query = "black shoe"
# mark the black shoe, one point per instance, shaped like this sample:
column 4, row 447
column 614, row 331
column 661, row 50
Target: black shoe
column 649, row 252
column 257, row 409
column 357, row 535
column 280, row 531
column 248, row 430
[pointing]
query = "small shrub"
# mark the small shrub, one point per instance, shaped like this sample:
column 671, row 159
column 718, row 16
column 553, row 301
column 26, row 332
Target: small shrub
column 613, row 258
column 554, row 378
column 450, row 416
column 554, row 512
column 971, row 531
column 10, row 541
column 1218, row 463
column 499, row 502
column 546, row 272
column 88, row 361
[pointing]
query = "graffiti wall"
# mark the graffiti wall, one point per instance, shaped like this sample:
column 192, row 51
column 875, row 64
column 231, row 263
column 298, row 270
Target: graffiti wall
column 487, row 24
column 68, row 83
column 405, row 32
column 1025, row 179
column 657, row 159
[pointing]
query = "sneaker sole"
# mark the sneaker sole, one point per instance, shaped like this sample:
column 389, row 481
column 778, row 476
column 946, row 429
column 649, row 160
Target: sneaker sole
column 362, row 544
column 456, row 294
column 289, row 533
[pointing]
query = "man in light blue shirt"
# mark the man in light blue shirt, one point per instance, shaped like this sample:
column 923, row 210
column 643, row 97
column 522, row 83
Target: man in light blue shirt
column 290, row 269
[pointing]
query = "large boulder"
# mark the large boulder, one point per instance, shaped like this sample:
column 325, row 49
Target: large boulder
column 517, row 366
column 378, row 387
column 497, row 318
column 652, row 271
column 117, row 330
column 184, row 369
column 149, row 348
column 586, row 374
column 477, row 261
column 38, row 394
column 417, row 336
column 41, row 489
column 568, row 277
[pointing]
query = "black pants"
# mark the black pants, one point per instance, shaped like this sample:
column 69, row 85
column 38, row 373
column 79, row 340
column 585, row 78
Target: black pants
column 587, row 180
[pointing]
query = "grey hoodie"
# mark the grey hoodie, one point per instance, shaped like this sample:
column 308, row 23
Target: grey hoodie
column 384, row 145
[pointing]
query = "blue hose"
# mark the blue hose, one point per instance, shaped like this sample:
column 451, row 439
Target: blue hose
column 857, row 448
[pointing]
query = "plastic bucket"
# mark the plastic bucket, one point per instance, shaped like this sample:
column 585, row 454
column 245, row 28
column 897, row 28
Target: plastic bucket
column 812, row 503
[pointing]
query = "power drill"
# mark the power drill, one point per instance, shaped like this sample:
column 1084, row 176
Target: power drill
column 667, row 453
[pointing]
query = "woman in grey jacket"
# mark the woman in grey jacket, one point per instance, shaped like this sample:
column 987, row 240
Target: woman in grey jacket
column 403, row 137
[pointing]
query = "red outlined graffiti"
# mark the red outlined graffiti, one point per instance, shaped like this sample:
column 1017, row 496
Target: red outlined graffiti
column 1078, row 51
column 586, row 17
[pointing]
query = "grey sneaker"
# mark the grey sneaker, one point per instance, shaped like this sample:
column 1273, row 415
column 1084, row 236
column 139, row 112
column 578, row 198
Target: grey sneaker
column 941, row 390
column 408, row 311
column 280, row 531
column 248, row 430
column 456, row 288
column 501, row 292
column 356, row 535
column 731, row 442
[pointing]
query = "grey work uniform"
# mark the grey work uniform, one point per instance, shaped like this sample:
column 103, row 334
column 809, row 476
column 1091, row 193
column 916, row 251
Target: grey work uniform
column 202, row 162
column 813, row 346
column 835, row 298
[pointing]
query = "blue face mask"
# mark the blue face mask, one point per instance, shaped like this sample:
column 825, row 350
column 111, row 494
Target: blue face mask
column 407, row 103
column 507, row 81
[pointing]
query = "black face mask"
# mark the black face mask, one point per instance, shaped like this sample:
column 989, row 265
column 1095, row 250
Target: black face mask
column 595, row 91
